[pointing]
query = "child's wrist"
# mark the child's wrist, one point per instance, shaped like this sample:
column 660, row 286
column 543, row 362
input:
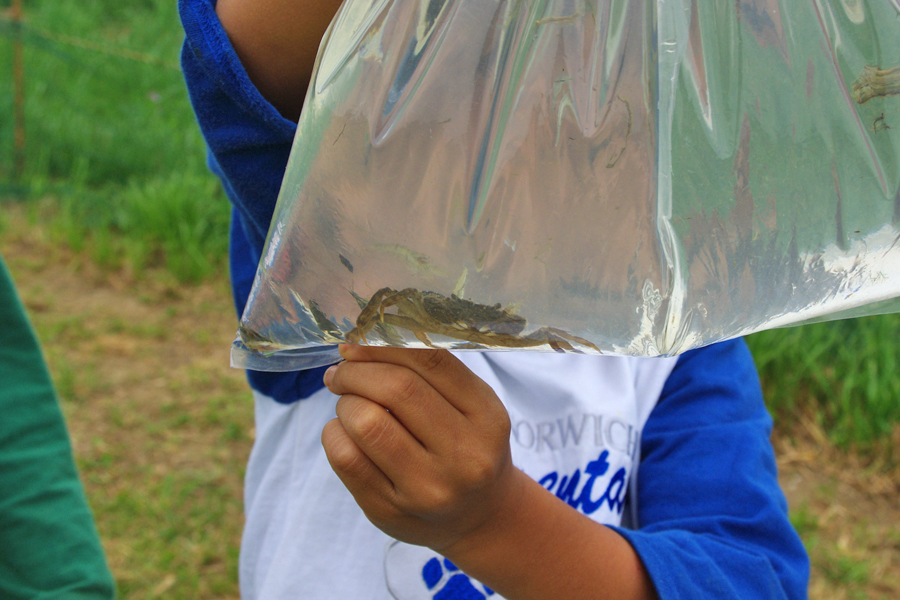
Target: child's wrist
column 500, row 534
column 510, row 555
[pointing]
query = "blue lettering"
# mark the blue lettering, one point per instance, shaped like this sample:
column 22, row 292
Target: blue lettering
column 616, row 501
column 549, row 480
column 595, row 469
column 613, row 496
column 566, row 493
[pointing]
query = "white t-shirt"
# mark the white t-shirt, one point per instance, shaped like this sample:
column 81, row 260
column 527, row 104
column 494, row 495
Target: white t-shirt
column 576, row 423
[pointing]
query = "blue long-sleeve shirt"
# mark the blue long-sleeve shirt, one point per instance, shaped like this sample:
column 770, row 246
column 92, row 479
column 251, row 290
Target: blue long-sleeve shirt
column 713, row 521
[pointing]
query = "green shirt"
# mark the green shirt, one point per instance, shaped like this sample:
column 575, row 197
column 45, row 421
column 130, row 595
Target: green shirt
column 49, row 547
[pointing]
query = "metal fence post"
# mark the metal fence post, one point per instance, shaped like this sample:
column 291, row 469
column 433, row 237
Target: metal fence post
column 18, row 94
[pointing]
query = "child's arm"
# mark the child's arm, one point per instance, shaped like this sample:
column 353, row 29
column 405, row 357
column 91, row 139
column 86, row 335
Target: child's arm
column 713, row 519
column 435, row 469
column 277, row 42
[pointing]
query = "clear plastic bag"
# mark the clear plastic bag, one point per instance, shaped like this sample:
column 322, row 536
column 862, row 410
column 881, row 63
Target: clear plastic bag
column 622, row 177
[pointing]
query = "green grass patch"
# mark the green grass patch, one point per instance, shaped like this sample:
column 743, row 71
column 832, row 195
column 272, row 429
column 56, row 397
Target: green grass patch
column 844, row 570
column 805, row 521
column 114, row 161
column 844, row 372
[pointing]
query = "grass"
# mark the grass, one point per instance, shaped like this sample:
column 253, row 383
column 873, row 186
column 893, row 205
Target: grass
column 115, row 163
column 804, row 521
column 115, row 171
column 161, row 426
column 843, row 372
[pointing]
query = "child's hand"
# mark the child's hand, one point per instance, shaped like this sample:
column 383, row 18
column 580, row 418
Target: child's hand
column 421, row 443
column 423, row 446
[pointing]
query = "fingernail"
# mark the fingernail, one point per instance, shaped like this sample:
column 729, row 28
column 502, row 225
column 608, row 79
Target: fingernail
column 329, row 375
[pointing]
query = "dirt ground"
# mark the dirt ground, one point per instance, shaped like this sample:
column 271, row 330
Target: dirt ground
column 162, row 426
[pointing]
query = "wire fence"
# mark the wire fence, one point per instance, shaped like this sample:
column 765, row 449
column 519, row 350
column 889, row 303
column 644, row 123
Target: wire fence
column 23, row 32
column 14, row 26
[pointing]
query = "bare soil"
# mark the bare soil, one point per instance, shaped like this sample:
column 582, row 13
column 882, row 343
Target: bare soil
column 162, row 427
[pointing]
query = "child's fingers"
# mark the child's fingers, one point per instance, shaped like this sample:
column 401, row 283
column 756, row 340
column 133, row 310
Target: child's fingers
column 387, row 444
column 356, row 470
column 408, row 397
column 443, row 371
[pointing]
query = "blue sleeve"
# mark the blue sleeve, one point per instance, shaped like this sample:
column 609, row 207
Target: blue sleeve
column 249, row 143
column 713, row 520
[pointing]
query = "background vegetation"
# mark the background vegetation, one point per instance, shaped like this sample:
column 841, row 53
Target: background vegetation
column 114, row 160
column 115, row 172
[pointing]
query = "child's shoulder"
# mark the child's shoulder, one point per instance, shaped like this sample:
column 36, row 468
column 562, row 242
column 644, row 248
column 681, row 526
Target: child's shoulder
column 710, row 385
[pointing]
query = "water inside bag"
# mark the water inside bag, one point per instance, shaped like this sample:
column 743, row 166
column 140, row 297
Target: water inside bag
column 626, row 177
